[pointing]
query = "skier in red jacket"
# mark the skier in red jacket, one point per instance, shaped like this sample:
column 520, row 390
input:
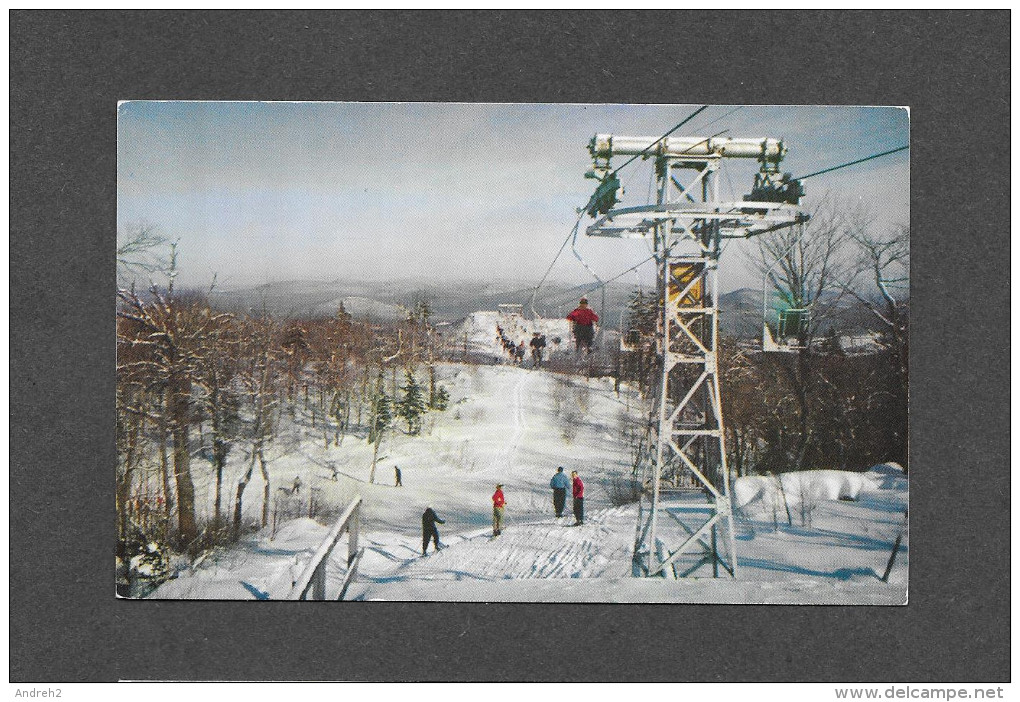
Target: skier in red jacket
column 578, row 492
column 497, row 511
column 584, row 325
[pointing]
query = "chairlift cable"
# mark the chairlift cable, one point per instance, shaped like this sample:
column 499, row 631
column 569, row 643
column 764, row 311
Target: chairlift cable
column 577, row 255
column 572, row 234
column 852, row 163
column 721, row 117
column 588, row 288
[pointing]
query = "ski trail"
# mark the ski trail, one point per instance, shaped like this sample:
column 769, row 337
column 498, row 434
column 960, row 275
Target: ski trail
column 505, row 457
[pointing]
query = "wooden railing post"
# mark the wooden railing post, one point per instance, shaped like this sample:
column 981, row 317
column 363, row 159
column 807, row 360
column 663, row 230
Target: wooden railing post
column 319, row 582
column 311, row 584
column 353, row 528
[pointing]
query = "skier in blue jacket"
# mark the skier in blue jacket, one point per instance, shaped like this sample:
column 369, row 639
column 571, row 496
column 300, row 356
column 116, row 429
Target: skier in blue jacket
column 559, row 484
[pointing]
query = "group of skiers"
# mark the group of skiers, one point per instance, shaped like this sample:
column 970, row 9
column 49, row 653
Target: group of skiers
column 514, row 350
column 559, row 484
column 517, row 350
column 582, row 320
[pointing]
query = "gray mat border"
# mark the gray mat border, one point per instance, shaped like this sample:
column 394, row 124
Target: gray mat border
column 68, row 69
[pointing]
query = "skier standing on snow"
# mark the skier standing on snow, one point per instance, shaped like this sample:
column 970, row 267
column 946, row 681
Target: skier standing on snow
column 559, row 484
column 578, row 499
column 537, row 344
column 498, row 504
column 428, row 529
column 296, row 488
column 584, row 320
column 396, row 477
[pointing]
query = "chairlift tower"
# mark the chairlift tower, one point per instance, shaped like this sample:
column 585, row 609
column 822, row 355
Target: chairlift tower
column 685, row 522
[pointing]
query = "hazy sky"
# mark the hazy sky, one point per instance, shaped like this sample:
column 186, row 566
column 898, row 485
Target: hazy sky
column 261, row 192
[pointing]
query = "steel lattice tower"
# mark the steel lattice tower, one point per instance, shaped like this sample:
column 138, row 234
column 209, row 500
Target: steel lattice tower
column 685, row 523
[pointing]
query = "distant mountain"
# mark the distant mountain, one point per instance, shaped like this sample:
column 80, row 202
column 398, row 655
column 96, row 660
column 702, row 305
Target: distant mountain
column 450, row 302
column 741, row 315
column 740, row 311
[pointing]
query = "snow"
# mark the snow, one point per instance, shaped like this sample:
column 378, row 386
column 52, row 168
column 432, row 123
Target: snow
column 515, row 425
column 795, row 488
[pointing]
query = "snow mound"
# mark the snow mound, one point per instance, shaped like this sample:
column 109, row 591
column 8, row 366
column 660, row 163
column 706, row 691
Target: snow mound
column 890, row 468
column 299, row 531
column 794, row 488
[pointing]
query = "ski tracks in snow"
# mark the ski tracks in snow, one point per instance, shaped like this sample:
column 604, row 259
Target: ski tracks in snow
column 548, row 549
column 506, row 456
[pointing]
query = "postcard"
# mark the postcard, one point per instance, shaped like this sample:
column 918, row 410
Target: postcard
column 512, row 352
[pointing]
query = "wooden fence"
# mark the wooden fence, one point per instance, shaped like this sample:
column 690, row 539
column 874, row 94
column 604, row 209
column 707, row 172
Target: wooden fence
column 312, row 583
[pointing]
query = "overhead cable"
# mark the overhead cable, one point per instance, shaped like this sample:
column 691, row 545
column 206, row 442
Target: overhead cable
column 590, row 288
column 572, row 234
column 852, row 163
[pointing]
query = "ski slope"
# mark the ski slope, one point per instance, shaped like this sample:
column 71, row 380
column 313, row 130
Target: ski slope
column 515, row 425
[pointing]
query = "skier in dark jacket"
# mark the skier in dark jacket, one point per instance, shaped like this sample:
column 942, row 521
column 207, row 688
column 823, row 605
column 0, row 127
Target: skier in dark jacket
column 428, row 529
column 559, row 484
column 537, row 344
column 519, row 351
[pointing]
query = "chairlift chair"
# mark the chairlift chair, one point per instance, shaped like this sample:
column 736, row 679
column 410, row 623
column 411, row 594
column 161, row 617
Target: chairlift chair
column 789, row 321
column 790, row 325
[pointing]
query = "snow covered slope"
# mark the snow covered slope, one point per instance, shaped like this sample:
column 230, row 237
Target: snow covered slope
column 513, row 426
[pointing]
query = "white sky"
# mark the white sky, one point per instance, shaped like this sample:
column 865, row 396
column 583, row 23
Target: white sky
column 261, row 192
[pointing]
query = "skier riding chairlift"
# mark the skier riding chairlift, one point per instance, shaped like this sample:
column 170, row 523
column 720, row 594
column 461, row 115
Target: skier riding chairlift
column 584, row 320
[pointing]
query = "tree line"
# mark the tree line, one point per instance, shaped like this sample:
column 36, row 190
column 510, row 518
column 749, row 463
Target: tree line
column 196, row 386
column 817, row 404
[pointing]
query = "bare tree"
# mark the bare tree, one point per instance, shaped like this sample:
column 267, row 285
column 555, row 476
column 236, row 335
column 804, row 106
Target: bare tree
column 138, row 251
column 257, row 375
column 883, row 266
column 382, row 415
column 167, row 336
column 219, row 401
column 805, row 266
column 879, row 281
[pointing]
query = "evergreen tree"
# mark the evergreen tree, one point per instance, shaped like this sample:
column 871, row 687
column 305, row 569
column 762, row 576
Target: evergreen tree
column 412, row 405
column 441, row 400
column 382, row 412
column 642, row 321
